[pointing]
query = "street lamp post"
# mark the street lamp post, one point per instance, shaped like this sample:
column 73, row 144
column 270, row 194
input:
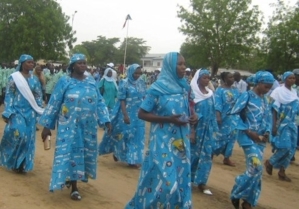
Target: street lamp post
column 73, row 16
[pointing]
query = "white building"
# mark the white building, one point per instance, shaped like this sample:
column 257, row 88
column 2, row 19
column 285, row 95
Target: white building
column 152, row 62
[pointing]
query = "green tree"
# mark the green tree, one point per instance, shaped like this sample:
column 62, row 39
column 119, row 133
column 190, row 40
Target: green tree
column 36, row 27
column 136, row 49
column 223, row 31
column 99, row 51
column 282, row 38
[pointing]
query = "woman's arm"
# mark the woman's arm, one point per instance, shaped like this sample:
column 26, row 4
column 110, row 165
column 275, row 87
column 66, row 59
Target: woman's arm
column 150, row 117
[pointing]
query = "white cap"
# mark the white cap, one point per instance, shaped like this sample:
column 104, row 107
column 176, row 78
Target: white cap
column 159, row 69
column 187, row 69
column 110, row 64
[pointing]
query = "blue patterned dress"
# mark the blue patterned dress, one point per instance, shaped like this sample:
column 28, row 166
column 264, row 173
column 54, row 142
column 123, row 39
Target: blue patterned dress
column 126, row 140
column 78, row 108
column 17, row 147
column 164, row 180
column 258, row 119
column 225, row 99
column 285, row 142
column 202, row 149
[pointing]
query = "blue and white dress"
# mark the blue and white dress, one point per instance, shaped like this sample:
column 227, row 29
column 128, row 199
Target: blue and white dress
column 258, row 119
column 78, row 108
column 225, row 99
column 126, row 140
column 17, row 148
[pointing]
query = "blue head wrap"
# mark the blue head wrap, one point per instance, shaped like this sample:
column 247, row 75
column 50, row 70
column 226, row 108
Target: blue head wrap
column 23, row 58
column 264, row 77
column 76, row 58
column 130, row 72
column 168, row 81
column 251, row 79
column 203, row 72
column 286, row 74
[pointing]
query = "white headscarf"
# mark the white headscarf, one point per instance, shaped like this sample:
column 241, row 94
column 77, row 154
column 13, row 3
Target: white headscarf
column 110, row 79
column 198, row 95
column 283, row 95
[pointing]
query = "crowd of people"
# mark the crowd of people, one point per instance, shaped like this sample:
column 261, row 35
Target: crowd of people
column 192, row 119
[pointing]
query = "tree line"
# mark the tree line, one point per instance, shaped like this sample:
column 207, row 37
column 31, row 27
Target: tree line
column 222, row 33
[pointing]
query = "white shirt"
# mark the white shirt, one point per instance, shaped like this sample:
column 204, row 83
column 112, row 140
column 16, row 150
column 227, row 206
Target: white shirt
column 241, row 86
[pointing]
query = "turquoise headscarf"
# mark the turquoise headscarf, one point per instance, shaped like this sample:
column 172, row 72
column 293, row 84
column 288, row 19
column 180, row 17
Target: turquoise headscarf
column 130, row 73
column 75, row 58
column 251, row 79
column 203, row 72
column 286, row 74
column 23, row 58
column 264, row 77
column 168, row 81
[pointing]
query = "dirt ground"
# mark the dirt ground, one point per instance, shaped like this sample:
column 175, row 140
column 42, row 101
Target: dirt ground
column 116, row 184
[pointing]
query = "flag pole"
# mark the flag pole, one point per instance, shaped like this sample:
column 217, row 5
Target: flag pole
column 125, row 55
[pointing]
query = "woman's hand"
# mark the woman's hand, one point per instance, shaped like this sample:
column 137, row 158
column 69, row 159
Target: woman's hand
column 193, row 119
column 108, row 127
column 46, row 132
column 175, row 119
column 5, row 119
column 127, row 119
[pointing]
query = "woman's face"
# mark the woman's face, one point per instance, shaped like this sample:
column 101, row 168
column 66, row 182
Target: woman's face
column 290, row 80
column 137, row 74
column 181, row 67
column 38, row 70
column 28, row 65
column 204, row 80
column 109, row 74
column 80, row 67
column 264, row 88
column 229, row 79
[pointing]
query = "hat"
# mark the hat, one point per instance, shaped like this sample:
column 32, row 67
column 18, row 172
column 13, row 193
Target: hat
column 187, row 69
column 296, row 71
column 110, row 64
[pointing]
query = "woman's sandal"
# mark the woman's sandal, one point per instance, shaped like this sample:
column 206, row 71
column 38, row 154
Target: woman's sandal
column 269, row 167
column 115, row 158
column 76, row 196
column 284, row 178
column 236, row 203
column 246, row 205
column 68, row 184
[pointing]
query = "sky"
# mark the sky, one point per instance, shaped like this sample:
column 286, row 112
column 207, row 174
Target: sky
column 155, row 21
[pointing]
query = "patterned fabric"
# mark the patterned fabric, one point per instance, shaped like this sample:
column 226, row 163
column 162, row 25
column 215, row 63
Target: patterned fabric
column 258, row 119
column 258, row 116
column 285, row 142
column 127, row 140
column 264, row 77
column 17, row 147
column 225, row 100
column 78, row 108
column 248, row 185
column 164, row 180
column 202, row 149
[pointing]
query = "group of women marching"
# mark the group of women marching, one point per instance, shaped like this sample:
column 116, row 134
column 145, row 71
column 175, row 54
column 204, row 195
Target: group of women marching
column 189, row 124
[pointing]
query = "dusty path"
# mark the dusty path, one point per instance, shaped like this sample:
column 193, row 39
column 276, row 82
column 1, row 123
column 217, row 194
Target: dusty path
column 116, row 184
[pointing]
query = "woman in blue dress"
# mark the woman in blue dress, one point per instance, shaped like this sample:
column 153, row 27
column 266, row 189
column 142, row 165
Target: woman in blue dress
column 285, row 109
column 252, row 111
column 17, row 146
column 164, row 180
column 78, row 108
column 204, row 144
column 108, row 88
column 225, row 98
column 128, row 135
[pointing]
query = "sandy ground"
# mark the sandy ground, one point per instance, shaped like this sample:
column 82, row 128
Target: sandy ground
column 116, row 184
